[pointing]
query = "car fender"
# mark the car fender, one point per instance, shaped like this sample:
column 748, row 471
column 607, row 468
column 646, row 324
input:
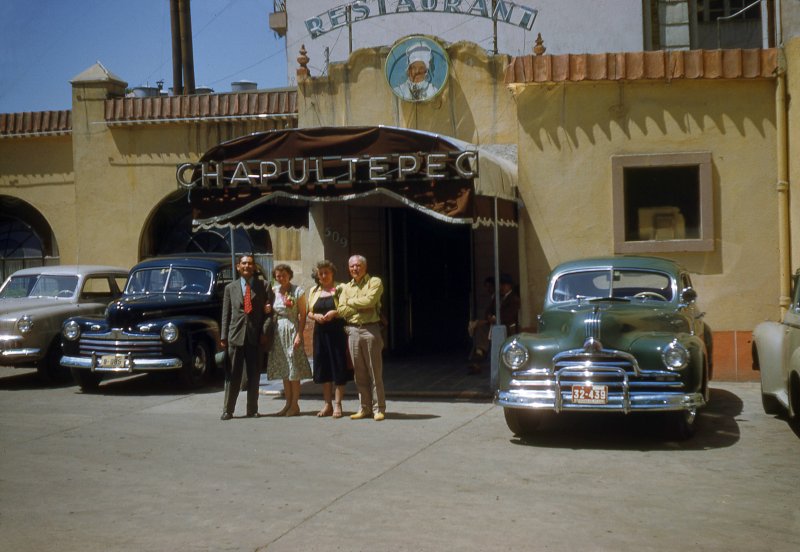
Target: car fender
column 769, row 339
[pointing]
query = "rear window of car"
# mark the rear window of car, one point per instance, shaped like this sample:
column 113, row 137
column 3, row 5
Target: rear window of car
column 621, row 283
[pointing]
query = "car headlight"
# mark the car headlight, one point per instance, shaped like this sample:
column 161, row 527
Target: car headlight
column 25, row 324
column 169, row 333
column 72, row 330
column 514, row 355
column 675, row 356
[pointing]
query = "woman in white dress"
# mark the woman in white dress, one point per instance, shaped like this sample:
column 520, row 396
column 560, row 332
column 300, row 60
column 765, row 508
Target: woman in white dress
column 287, row 360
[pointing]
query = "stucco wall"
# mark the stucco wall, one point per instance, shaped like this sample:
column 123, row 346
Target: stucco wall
column 569, row 133
column 476, row 106
column 39, row 171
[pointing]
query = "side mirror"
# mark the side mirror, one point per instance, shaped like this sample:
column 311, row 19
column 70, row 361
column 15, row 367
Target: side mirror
column 688, row 295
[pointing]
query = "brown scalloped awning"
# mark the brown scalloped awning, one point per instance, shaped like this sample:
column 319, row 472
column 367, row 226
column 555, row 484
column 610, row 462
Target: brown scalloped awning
column 450, row 199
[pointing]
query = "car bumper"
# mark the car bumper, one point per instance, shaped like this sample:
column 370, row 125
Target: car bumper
column 617, row 402
column 131, row 364
column 15, row 356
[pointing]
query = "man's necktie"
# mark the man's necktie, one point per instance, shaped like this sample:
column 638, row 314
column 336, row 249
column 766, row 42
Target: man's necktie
column 248, row 301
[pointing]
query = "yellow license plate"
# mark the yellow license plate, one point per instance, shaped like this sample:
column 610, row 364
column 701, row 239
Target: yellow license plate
column 590, row 394
column 112, row 361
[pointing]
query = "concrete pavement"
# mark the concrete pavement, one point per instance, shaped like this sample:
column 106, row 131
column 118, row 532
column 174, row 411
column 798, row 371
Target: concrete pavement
column 145, row 466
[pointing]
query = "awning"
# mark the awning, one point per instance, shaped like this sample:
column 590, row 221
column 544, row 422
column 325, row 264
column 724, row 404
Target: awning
column 269, row 178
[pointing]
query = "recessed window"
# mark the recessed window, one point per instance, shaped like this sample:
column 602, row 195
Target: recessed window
column 662, row 203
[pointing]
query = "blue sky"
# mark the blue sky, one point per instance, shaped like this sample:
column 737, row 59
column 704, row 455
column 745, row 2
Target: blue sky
column 45, row 43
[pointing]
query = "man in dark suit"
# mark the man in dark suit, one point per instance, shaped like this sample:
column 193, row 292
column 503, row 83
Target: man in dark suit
column 246, row 324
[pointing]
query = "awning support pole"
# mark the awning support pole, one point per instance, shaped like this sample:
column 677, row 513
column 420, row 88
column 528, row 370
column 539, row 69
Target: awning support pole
column 233, row 251
column 498, row 334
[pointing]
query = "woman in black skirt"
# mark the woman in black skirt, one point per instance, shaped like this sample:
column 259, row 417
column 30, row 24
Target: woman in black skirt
column 330, row 340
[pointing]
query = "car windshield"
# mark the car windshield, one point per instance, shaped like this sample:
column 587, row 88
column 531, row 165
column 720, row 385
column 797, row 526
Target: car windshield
column 613, row 283
column 169, row 279
column 40, row 285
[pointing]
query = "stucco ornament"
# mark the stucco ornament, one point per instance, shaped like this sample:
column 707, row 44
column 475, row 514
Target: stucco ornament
column 417, row 68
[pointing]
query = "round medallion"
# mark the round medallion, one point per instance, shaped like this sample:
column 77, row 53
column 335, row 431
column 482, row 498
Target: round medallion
column 417, row 69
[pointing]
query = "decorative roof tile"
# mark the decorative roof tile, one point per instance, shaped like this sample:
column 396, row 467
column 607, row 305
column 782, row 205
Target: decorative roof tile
column 202, row 107
column 660, row 64
column 36, row 123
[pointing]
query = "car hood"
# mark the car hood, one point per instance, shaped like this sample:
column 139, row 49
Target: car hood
column 616, row 324
column 133, row 309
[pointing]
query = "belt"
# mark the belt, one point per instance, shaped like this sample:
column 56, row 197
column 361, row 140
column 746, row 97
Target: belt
column 361, row 325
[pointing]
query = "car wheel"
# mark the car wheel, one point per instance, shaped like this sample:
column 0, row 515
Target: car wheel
column 199, row 368
column 683, row 424
column 88, row 381
column 49, row 369
column 522, row 422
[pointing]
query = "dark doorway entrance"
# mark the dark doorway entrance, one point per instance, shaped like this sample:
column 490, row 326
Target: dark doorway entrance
column 430, row 273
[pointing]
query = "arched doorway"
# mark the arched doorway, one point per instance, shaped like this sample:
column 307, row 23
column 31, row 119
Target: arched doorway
column 169, row 230
column 26, row 239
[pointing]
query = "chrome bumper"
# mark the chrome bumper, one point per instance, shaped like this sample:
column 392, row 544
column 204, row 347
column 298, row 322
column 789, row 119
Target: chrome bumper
column 132, row 365
column 617, row 402
column 16, row 355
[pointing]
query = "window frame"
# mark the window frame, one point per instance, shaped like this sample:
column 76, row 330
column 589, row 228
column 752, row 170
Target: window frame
column 702, row 160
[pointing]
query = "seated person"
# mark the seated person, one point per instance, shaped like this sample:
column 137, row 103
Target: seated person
column 509, row 316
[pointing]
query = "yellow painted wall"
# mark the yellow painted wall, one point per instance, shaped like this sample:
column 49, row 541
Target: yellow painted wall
column 39, row 171
column 568, row 133
column 475, row 107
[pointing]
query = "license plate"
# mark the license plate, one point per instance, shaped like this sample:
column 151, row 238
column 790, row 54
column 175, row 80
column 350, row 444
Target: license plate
column 590, row 394
column 112, row 361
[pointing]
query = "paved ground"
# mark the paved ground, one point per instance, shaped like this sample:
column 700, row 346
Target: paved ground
column 145, row 466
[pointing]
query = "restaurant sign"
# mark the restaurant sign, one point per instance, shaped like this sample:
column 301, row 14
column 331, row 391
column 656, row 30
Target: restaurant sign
column 338, row 172
column 361, row 10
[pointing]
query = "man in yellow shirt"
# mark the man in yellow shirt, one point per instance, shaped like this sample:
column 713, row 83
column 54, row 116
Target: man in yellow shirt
column 360, row 307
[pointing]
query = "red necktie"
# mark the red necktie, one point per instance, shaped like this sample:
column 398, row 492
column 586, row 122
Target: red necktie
column 248, row 301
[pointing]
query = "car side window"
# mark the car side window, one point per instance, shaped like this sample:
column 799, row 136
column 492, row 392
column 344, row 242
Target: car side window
column 97, row 288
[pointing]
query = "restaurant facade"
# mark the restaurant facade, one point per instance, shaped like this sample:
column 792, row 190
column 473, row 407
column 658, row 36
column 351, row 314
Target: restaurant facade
column 512, row 164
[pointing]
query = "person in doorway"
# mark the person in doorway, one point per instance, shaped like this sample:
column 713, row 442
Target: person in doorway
column 479, row 331
column 245, row 334
column 509, row 314
column 288, row 360
column 330, row 340
column 360, row 307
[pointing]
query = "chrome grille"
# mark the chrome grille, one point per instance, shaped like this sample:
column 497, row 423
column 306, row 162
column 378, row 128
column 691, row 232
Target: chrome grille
column 612, row 368
column 121, row 343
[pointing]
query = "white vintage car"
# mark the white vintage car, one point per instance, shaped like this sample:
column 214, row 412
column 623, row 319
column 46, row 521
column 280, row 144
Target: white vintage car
column 776, row 354
column 34, row 302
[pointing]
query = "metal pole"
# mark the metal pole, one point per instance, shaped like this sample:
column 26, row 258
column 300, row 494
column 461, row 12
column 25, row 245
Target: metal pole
column 177, row 60
column 494, row 28
column 349, row 29
column 498, row 330
column 233, row 249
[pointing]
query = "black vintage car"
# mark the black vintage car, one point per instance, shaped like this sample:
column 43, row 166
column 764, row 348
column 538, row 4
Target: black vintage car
column 167, row 320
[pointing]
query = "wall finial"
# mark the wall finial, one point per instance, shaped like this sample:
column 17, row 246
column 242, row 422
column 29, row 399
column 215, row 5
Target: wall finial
column 303, row 59
column 539, row 48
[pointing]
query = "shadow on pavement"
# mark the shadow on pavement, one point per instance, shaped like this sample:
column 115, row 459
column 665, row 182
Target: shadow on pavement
column 150, row 384
column 716, row 428
column 27, row 379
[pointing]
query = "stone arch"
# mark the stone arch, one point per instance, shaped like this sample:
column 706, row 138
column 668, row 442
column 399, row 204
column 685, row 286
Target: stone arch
column 26, row 238
column 168, row 229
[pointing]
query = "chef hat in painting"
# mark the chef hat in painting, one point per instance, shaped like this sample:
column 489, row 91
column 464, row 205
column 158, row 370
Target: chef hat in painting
column 419, row 51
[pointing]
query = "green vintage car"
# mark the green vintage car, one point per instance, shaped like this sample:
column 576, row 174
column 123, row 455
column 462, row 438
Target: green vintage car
column 617, row 334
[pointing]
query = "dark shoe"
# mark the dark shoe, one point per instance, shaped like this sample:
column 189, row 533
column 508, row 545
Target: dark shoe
column 254, row 415
column 226, row 416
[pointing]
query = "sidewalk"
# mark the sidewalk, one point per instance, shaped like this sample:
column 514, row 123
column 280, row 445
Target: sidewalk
column 413, row 377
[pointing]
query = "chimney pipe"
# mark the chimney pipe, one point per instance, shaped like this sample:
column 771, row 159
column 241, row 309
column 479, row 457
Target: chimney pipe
column 177, row 61
column 186, row 45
